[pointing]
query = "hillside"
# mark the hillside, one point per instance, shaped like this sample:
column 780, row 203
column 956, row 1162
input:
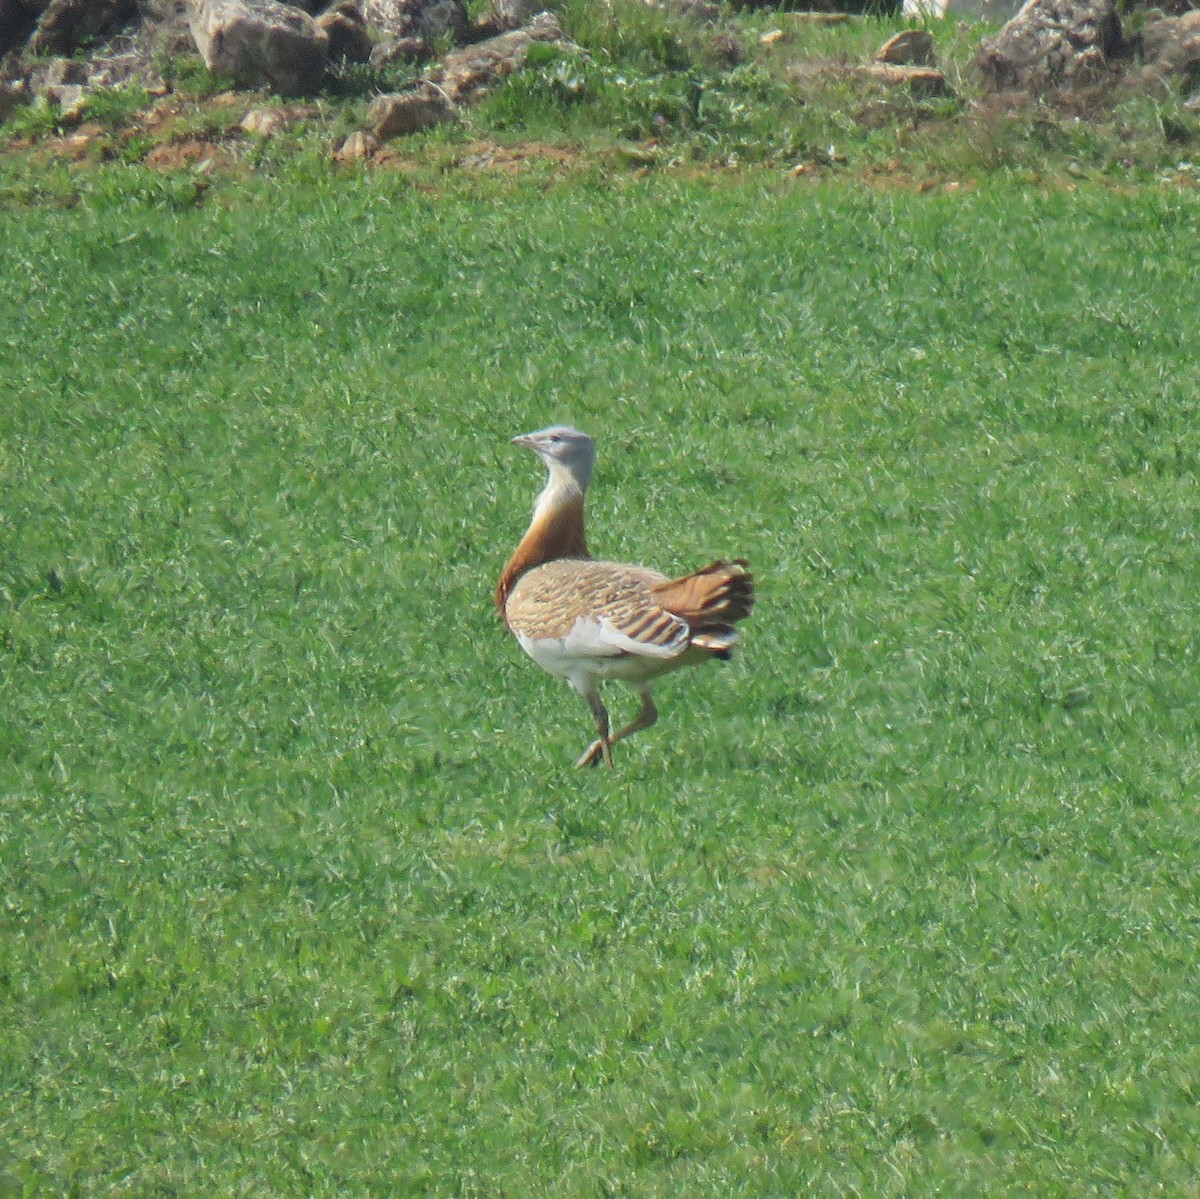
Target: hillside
column 622, row 87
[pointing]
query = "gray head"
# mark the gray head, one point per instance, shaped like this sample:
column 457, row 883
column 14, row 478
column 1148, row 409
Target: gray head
column 567, row 453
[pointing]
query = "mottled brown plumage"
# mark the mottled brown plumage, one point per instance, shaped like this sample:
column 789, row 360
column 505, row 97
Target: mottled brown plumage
column 585, row 621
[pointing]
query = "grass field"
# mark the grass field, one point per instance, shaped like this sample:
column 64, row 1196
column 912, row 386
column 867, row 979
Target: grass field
column 299, row 894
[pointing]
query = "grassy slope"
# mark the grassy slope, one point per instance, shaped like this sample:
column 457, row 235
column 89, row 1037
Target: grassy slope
column 299, row 893
column 645, row 87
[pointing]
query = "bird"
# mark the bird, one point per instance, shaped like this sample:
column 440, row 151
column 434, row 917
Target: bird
column 587, row 621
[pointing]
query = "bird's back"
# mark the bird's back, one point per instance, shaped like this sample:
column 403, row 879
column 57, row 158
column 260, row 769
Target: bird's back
column 548, row 600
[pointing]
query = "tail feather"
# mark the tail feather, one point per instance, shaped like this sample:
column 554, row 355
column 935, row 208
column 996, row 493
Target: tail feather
column 718, row 639
column 711, row 600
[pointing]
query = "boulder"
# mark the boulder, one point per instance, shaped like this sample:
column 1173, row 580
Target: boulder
column 13, row 95
column 700, row 11
column 512, row 14
column 979, row 10
column 400, row 49
column 267, row 121
column 347, row 32
column 261, row 41
column 908, row 48
column 358, row 145
column 814, row 17
column 924, row 83
column 69, row 98
column 64, row 71
column 425, row 19
column 1052, row 45
column 467, row 74
column 66, row 25
column 409, row 112
column 1171, row 53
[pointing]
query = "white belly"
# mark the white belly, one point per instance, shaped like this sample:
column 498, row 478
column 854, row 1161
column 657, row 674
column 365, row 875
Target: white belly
column 582, row 653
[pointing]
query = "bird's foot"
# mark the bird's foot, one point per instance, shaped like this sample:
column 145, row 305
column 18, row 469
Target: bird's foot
column 595, row 753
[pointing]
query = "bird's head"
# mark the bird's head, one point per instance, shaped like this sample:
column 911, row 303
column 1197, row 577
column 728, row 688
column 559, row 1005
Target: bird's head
column 569, row 455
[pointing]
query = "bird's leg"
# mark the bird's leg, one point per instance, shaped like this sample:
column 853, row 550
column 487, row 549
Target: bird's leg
column 643, row 720
column 602, row 747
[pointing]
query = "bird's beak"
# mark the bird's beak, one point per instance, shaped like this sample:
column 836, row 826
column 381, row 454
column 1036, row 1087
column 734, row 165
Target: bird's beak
column 526, row 439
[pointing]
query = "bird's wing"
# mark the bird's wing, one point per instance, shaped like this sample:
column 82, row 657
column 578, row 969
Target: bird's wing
column 596, row 608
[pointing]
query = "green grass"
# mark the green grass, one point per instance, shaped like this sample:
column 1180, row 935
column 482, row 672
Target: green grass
column 299, row 894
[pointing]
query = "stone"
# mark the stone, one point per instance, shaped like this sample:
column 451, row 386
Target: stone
column 12, row 96
column 512, row 14
column 261, row 41
column 358, row 145
column 1052, row 45
column 346, row 30
column 466, row 74
column 65, row 25
column 818, row 18
column 408, row 112
column 70, row 99
column 908, row 48
column 925, row 83
column 1171, row 53
column 400, row 49
column 700, row 11
column 426, row 19
column 63, row 71
column 978, row 10
column 262, row 121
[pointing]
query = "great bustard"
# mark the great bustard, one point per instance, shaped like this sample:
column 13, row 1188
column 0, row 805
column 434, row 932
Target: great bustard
column 585, row 621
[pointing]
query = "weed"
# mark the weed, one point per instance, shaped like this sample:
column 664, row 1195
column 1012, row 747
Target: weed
column 115, row 107
column 34, row 122
column 188, row 75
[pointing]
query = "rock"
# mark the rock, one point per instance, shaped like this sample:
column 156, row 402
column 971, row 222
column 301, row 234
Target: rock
column 1052, row 45
column 261, row 41
column 925, row 83
column 357, row 146
column 65, row 25
column 62, row 71
column 818, row 18
column 466, row 74
column 262, row 121
column 266, row 121
column 409, row 112
column 700, row 11
column 400, row 49
column 909, row 48
column 980, row 10
column 12, row 97
column 426, row 19
column 346, row 30
column 83, row 141
column 1171, row 53
column 512, row 14
column 70, row 99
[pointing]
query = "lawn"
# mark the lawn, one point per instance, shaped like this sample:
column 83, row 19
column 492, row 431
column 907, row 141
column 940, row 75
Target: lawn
column 299, row 893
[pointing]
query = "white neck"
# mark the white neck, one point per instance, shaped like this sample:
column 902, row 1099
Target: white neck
column 563, row 486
